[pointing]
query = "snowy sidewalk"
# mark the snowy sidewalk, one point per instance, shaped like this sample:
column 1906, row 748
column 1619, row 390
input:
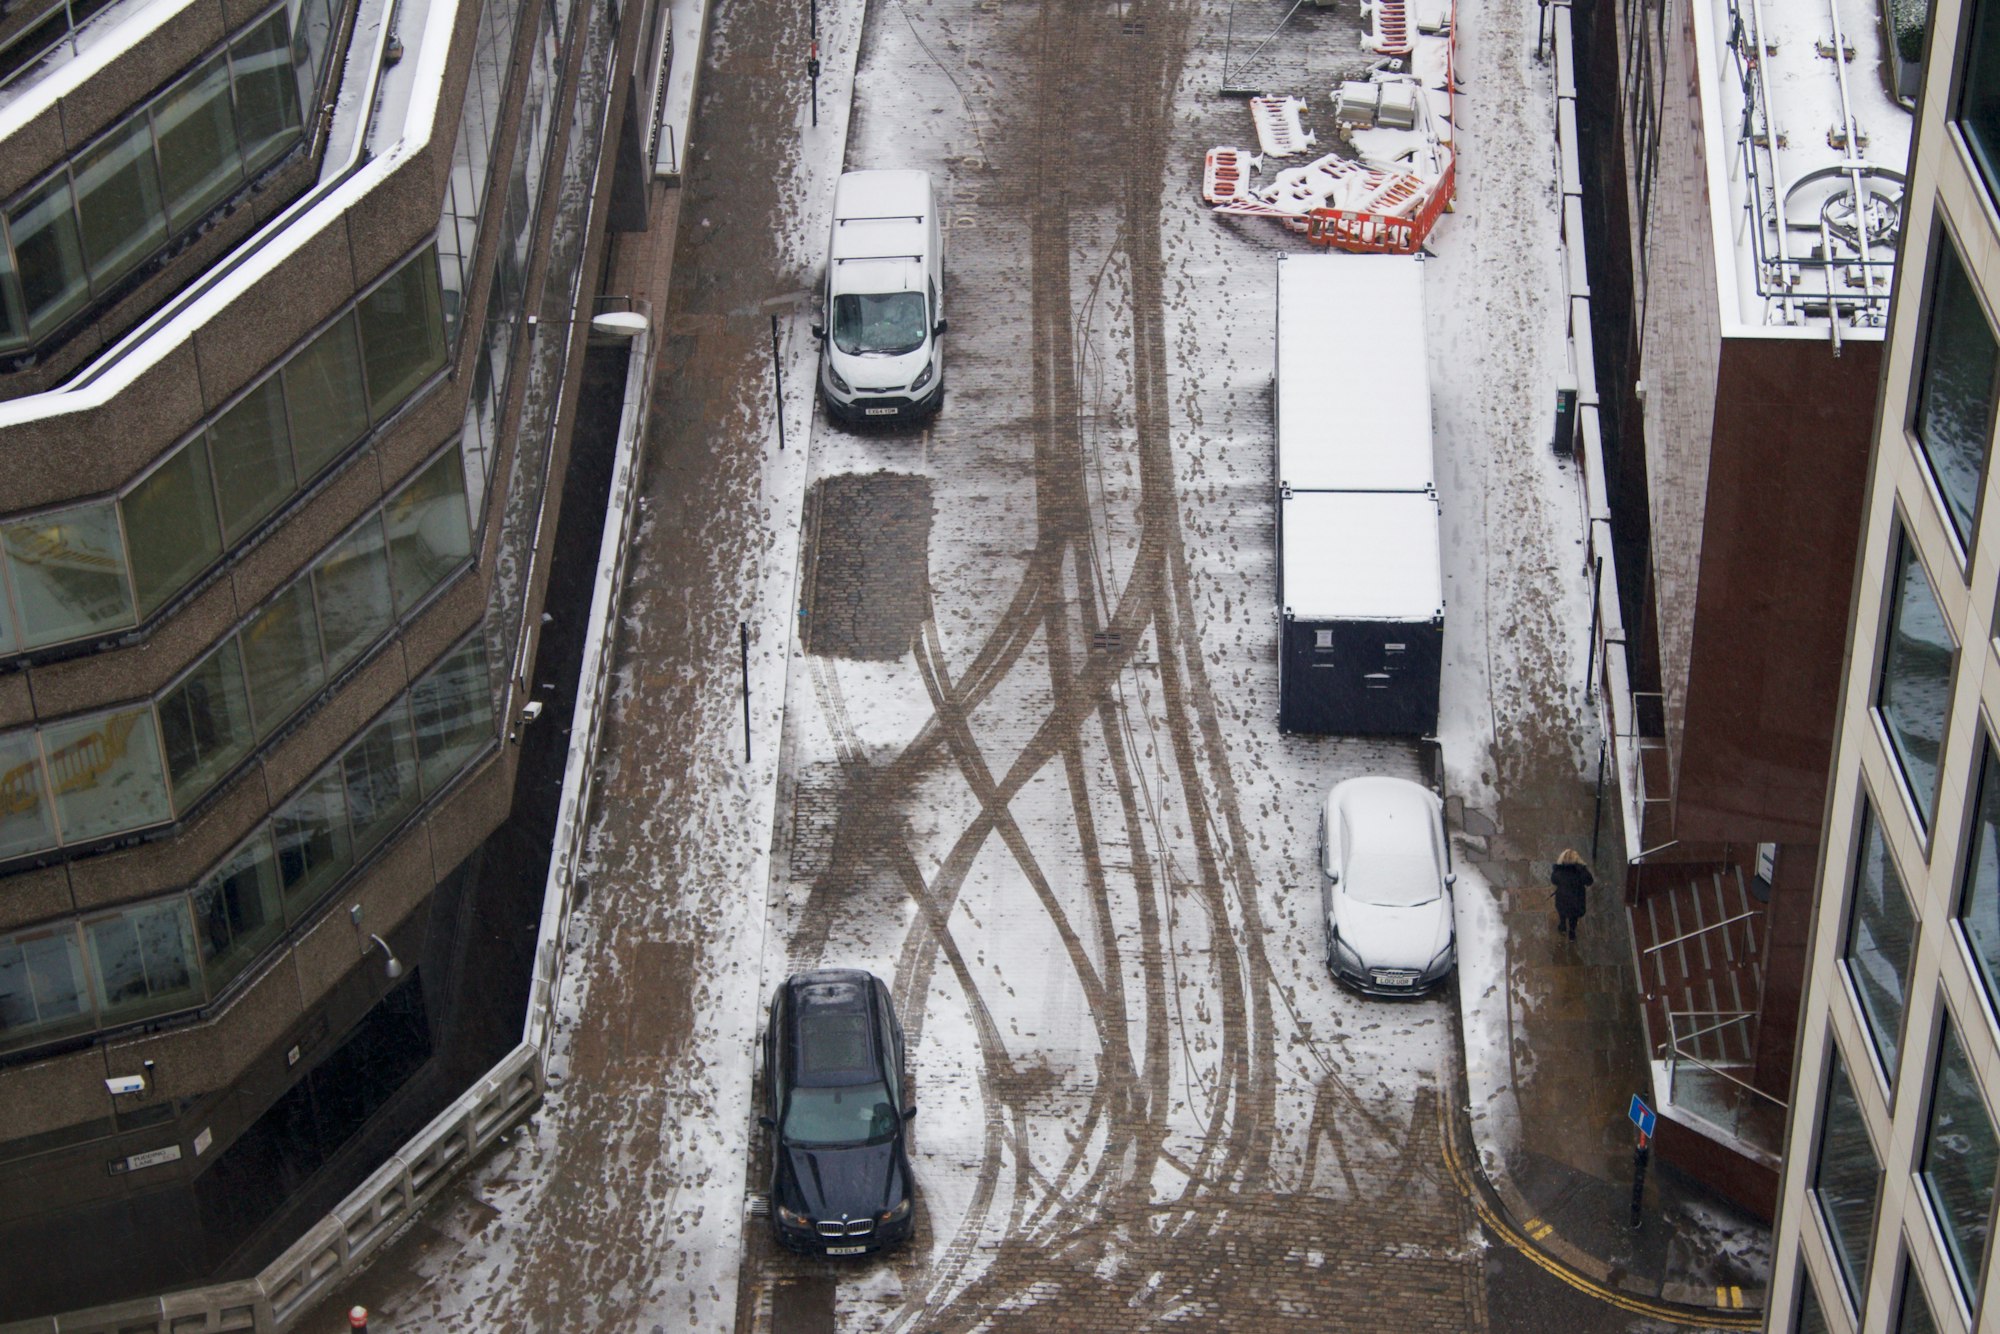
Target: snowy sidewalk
column 1554, row 1043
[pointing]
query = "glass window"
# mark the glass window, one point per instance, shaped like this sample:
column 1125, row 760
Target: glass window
column 429, row 535
column 267, row 95
column 13, row 319
column 69, row 574
column 453, row 711
column 251, row 454
column 1960, row 1156
column 27, row 824
column 41, row 985
column 205, row 724
column 106, row 773
column 324, row 397
column 381, row 777
column 1979, row 896
column 281, row 656
column 170, row 527
column 402, row 333
column 1979, row 97
column 237, row 912
column 196, row 129
column 353, row 585
column 311, row 834
column 311, row 39
column 54, row 285
column 1954, row 408
column 1915, row 688
column 118, row 200
column 142, row 961
column 1811, row 1319
column 1847, row 1179
column 1915, row 1316
column 1881, row 930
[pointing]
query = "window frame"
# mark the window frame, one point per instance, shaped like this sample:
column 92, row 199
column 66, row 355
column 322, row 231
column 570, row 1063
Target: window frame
column 1945, row 243
column 1922, row 810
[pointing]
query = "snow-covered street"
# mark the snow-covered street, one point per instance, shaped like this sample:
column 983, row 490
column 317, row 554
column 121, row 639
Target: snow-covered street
column 1013, row 684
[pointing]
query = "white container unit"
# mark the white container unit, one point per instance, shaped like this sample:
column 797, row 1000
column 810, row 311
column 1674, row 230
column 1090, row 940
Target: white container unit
column 1360, row 581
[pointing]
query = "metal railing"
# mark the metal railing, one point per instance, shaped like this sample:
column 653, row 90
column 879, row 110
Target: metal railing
column 1705, row 1087
column 1702, row 931
column 1609, row 662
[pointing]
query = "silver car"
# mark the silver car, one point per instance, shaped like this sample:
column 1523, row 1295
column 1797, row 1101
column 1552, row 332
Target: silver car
column 1385, row 881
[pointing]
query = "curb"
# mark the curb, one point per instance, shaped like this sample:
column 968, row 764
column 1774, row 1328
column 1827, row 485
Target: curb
column 1505, row 1213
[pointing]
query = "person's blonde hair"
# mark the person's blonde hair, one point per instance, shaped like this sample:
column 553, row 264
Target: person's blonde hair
column 1570, row 857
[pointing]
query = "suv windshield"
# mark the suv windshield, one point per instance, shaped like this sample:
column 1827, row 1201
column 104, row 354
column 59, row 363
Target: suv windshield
column 888, row 324
column 851, row 1114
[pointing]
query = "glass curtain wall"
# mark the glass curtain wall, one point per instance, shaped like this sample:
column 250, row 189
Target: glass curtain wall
column 143, row 960
column 517, row 217
column 160, row 170
column 145, row 764
column 109, row 564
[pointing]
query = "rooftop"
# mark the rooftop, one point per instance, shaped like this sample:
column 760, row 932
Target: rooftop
column 1806, row 154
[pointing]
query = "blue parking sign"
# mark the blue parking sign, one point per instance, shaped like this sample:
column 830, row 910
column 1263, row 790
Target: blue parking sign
column 1641, row 1115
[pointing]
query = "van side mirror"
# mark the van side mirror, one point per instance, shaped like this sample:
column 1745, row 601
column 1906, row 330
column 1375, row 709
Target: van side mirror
column 767, row 1122
column 910, row 1112
column 942, row 325
column 819, row 331
column 1451, row 877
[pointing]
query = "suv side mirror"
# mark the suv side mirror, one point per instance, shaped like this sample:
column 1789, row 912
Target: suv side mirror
column 938, row 331
column 910, row 1112
column 1451, row 877
column 769, row 1123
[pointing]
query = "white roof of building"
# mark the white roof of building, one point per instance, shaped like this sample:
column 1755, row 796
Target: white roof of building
column 1795, row 138
column 1361, row 556
column 1353, row 387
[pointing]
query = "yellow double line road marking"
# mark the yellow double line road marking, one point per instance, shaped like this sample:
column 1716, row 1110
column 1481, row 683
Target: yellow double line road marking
column 1523, row 1238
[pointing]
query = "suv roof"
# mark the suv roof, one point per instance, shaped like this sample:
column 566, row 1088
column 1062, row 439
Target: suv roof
column 833, row 1029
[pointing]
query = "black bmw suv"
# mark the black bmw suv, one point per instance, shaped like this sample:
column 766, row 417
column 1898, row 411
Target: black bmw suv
column 833, row 1075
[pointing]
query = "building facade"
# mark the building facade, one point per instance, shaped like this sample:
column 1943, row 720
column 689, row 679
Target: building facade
column 289, row 358
column 1894, row 1140
column 1743, row 231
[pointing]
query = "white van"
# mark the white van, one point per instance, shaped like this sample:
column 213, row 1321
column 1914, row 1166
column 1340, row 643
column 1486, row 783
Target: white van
column 883, row 307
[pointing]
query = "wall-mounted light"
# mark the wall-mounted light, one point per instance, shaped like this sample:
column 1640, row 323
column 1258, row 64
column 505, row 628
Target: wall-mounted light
column 394, row 966
column 391, row 965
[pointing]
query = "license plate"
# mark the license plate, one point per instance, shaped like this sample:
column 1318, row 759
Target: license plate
column 847, row 1250
column 1394, row 980
column 876, row 412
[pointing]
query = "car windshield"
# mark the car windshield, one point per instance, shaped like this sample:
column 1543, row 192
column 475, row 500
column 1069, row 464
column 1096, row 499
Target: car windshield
column 850, row 1114
column 886, row 324
column 1392, row 879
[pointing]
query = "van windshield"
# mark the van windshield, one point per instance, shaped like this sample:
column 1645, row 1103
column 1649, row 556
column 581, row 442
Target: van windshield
column 888, row 324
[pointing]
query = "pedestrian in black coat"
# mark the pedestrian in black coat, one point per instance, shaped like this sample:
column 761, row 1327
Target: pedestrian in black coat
column 1571, row 878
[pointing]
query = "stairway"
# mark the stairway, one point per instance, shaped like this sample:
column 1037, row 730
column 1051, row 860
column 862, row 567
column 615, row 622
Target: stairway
column 1698, row 936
